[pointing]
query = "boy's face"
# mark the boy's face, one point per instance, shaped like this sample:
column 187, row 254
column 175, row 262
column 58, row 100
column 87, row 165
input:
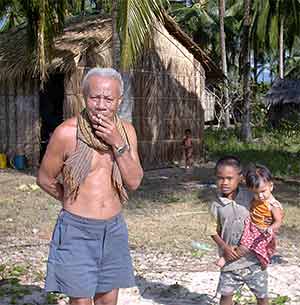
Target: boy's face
column 264, row 191
column 228, row 180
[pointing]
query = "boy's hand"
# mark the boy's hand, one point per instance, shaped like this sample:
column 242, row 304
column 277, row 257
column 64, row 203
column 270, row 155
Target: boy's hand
column 230, row 253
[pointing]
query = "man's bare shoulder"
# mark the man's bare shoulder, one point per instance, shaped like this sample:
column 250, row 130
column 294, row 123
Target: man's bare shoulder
column 66, row 130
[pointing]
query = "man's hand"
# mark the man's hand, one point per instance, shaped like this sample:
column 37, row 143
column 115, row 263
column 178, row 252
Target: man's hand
column 230, row 253
column 106, row 129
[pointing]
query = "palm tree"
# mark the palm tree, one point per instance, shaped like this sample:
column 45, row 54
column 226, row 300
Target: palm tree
column 200, row 22
column 278, row 23
column 132, row 19
column 135, row 21
column 224, row 59
column 245, row 71
column 44, row 19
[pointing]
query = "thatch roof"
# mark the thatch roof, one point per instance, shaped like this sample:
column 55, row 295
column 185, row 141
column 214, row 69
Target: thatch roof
column 284, row 91
column 80, row 35
column 211, row 69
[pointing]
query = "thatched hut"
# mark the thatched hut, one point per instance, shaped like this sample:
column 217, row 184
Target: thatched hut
column 166, row 89
column 283, row 101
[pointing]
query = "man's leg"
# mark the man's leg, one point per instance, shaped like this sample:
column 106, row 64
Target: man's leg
column 264, row 301
column 107, row 298
column 226, row 300
column 80, row 301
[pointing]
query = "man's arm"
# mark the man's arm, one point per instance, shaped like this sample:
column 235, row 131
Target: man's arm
column 52, row 164
column 129, row 162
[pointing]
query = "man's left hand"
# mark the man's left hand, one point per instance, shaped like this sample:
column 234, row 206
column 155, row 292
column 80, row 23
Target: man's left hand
column 106, row 129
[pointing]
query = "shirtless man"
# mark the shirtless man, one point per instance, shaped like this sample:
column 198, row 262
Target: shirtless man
column 96, row 155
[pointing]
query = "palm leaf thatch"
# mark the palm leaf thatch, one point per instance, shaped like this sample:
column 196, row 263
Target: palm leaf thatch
column 79, row 36
column 284, row 91
column 82, row 37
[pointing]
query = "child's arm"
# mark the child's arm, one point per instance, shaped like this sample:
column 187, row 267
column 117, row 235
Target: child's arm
column 229, row 252
column 277, row 214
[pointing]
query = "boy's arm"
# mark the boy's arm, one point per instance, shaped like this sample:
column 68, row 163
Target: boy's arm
column 228, row 251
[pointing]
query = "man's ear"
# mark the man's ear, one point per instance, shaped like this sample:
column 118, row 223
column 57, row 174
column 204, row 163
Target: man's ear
column 120, row 100
column 271, row 186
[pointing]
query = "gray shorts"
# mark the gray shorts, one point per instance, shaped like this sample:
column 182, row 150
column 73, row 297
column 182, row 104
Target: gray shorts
column 253, row 276
column 88, row 256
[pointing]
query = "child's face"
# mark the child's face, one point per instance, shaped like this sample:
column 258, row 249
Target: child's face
column 228, row 180
column 264, row 191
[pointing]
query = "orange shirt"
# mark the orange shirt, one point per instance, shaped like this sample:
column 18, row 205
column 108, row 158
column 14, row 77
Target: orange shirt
column 260, row 210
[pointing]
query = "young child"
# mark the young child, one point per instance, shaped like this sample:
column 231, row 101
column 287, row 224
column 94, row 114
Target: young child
column 188, row 148
column 230, row 210
column 258, row 236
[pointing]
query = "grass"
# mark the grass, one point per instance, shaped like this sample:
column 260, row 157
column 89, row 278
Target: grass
column 278, row 150
column 163, row 216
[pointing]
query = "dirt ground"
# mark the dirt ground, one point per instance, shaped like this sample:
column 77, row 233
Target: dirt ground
column 167, row 220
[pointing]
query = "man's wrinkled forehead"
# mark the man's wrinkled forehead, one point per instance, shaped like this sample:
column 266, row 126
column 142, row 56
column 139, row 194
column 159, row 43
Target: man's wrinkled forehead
column 104, row 86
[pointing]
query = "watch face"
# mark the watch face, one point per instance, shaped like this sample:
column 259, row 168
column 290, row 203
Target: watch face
column 122, row 149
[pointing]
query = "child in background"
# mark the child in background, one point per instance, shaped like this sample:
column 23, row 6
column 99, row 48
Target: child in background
column 188, row 148
column 230, row 210
column 258, row 236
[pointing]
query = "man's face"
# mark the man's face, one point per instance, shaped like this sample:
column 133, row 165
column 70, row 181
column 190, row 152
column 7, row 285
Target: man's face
column 103, row 96
column 228, row 180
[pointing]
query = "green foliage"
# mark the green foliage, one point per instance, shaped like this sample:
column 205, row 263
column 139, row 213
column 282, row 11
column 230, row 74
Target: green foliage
column 277, row 149
column 136, row 19
column 280, row 300
column 52, row 298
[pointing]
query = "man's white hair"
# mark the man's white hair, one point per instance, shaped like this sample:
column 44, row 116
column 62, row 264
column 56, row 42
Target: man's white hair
column 101, row 72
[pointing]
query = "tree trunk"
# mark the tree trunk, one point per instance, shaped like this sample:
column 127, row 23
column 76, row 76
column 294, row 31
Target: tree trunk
column 245, row 72
column 281, row 49
column 82, row 7
column 115, row 36
column 224, row 61
column 255, row 61
column 98, row 5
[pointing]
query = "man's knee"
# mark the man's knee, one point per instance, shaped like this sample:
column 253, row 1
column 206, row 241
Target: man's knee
column 80, row 301
column 108, row 298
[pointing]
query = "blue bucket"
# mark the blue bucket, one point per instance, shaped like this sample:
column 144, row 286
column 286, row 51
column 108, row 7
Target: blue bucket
column 18, row 162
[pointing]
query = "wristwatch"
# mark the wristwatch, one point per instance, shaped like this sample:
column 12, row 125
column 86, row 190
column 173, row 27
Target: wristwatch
column 121, row 149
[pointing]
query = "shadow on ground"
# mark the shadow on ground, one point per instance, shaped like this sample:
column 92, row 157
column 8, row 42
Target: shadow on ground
column 171, row 294
column 12, row 292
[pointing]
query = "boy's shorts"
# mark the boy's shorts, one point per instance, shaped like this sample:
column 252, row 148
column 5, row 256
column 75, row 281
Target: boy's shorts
column 88, row 256
column 253, row 276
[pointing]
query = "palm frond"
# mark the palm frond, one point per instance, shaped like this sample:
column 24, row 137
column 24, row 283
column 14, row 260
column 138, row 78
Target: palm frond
column 135, row 24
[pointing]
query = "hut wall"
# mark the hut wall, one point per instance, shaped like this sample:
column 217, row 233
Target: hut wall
column 19, row 120
column 73, row 100
column 168, row 86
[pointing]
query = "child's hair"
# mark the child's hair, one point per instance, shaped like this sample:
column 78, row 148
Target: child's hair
column 187, row 131
column 229, row 161
column 256, row 174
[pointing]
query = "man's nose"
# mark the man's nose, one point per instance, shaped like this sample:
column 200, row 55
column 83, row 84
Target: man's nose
column 101, row 103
